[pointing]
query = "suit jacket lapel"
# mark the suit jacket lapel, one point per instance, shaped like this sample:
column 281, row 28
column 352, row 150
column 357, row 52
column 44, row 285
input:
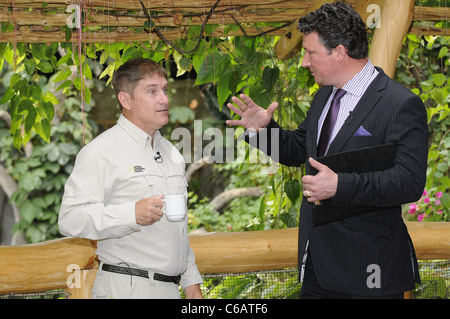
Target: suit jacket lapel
column 361, row 111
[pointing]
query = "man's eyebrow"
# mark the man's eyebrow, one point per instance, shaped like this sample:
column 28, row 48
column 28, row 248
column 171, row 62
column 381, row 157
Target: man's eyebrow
column 153, row 85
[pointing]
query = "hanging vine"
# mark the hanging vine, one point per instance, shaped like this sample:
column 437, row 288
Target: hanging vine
column 153, row 27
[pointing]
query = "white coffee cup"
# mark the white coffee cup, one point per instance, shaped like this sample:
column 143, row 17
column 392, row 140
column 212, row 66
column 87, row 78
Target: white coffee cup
column 175, row 207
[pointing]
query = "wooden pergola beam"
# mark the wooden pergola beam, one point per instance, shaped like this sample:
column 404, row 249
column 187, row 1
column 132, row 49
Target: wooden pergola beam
column 161, row 5
column 35, row 22
column 268, row 12
column 30, row 35
column 34, row 18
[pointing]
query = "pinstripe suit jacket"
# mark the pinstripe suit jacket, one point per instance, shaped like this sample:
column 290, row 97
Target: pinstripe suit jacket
column 343, row 251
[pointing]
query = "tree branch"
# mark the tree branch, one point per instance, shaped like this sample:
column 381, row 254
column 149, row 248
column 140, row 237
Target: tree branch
column 5, row 117
column 9, row 186
column 227, row 196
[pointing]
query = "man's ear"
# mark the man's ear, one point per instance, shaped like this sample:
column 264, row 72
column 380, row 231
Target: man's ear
column 124, row 99
column 341, row 52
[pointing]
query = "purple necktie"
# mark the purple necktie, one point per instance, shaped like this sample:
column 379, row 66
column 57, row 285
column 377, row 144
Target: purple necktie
column 330, row 121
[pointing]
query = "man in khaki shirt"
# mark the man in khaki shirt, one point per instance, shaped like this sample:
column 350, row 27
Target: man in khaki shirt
column 114, row 195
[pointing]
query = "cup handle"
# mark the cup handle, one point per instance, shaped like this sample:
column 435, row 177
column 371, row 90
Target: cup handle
column 163, row 200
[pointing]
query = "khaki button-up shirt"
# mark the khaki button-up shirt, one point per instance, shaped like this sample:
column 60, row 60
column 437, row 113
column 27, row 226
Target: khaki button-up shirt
column 112, row 173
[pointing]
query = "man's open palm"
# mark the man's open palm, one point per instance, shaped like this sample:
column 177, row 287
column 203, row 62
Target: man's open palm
column 253, row 117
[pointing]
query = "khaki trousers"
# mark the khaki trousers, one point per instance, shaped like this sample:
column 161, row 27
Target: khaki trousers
column 110, row 285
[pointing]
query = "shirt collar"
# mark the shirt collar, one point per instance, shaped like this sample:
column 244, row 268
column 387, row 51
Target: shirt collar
column 138, row 135
column 360, row 81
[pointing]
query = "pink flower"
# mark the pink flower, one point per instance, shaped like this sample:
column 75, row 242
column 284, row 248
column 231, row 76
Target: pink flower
column 437, row 202
column 425, row 193
column 438, row 194
column 439, row 212
column 412, row 208
column 426, row 200
column 420, row 217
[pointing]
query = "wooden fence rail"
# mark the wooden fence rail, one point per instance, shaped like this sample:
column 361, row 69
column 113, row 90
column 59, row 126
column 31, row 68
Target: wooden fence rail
column 70, row 263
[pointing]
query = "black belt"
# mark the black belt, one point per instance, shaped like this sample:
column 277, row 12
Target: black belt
column 140, row 273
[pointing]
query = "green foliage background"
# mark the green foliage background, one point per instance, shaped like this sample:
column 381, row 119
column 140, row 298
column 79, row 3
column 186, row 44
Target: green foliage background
column 47, row 91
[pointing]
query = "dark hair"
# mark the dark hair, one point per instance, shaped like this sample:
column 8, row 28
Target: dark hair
column 127, row 76
column 338, row 23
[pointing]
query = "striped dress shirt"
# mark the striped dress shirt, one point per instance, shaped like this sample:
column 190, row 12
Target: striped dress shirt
column 355, row 89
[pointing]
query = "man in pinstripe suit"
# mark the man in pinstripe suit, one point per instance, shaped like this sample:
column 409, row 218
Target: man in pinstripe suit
column 369, row 255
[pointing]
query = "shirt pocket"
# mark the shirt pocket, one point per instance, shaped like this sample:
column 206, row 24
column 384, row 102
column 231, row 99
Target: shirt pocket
column 136, row 185
column 177, row 183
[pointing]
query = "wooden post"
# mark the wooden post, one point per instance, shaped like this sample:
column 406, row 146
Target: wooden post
column 396, row 19
column 83, row 280
column 291, row 42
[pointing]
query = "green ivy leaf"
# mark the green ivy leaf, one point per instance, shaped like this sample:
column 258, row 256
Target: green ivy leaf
column 130, row 53
column 24, row 88
column 443, row 52
column 29, row 211
column 25, row 105
column 62, row 75
column 65, row 59
column 212, row 67
column 439, row 79
column 68, row 34
column 270, row 77
column 49, row 97
column 30, row 66
column 194, row 31
column 53, row 154
column 38, row 50
column 45, row 66
column 49, row 111
column 43, row 129
column 290, row 217
column 64, row 85
column 292, row 190
column 36, row 92
column 223, row 88
column 185, row 64
column 7, row 96
column 30, row 119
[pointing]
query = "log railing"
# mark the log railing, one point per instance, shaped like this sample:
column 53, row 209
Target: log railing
column 70, row 263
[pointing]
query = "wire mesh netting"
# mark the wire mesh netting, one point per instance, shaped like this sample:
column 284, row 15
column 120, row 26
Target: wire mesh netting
column 435, row 277
column 269, row 284
column 283, row 284
column 55, row 294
